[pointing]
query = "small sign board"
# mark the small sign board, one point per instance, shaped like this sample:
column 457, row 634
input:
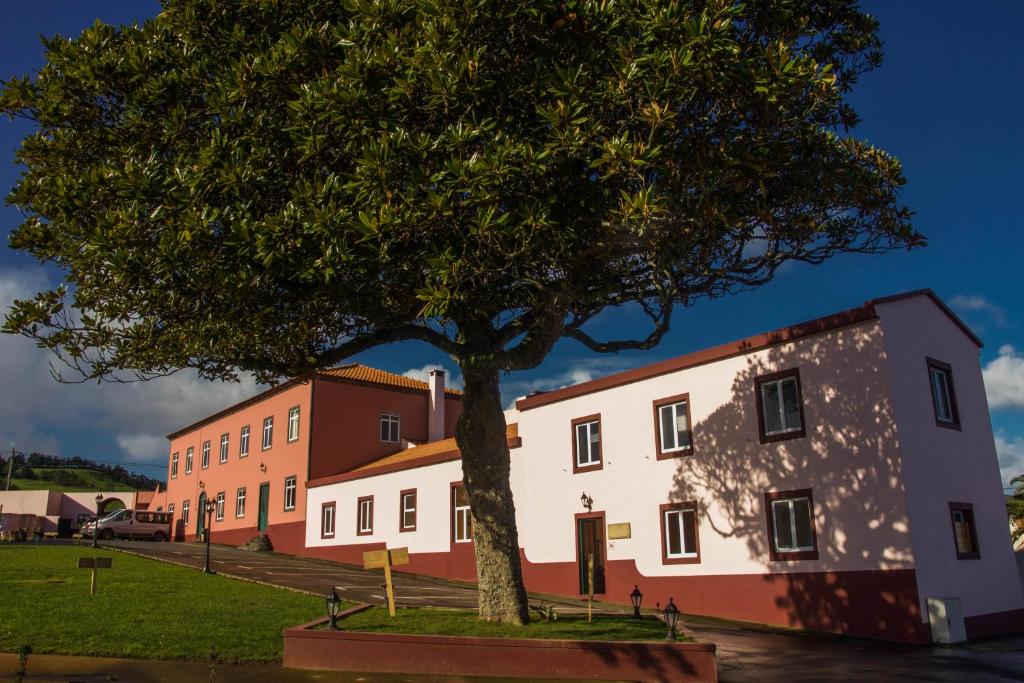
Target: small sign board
column 94, row 562
column 620, row 530
column 377, row 559
column 399, row 556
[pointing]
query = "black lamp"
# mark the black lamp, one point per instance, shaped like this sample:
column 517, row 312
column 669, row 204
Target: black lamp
column 210, row 507
column 671, row 617
column 333, row 606
column 636, row 597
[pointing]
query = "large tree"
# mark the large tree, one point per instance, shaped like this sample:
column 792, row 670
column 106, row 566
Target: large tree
column 270, row 186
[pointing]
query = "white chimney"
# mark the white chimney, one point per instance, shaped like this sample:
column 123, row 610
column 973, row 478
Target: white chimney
column 435, row 416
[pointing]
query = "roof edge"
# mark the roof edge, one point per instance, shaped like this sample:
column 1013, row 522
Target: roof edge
column 938, row 302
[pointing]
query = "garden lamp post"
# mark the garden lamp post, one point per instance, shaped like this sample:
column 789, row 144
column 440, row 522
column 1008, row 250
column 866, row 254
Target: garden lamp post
column 333, row 605
column 210, row 505
column 96, row 524
column 671, row 616
column 636, row 597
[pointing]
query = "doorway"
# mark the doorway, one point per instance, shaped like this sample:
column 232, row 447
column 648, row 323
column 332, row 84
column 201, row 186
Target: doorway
column 261, row 520
column 201, row 516
column 590, row 543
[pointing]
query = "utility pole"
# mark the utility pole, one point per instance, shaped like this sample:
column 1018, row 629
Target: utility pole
column 10, row 466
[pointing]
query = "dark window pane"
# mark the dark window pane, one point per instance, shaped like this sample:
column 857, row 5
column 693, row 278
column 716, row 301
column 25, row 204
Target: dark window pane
column 802, row 516
column 667, row 430
column 770, row 403
column 783, row 525
column 791, row 403
column 672, row 533
column 690, row 531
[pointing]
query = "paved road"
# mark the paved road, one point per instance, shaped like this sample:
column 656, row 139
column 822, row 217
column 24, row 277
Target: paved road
column 744, row 655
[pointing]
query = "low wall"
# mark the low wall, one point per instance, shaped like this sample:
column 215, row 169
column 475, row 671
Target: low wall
column 305, row 648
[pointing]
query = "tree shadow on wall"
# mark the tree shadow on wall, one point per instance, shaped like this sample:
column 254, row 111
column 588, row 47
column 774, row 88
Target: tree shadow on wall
column 848, row 458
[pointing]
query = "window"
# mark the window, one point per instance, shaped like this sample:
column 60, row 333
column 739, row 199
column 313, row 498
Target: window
column 940, row 375
column 462, row 520
column 174, row 465
column 188, row 460
column 679, row 543
column 672, row 426
column 243, row 442
column 289, row 492
column 170, row 508
column 780, row 408
column 240, row 502
column 407, row 510
column 184, row 512
column 791, row 525
column 205, row 460
column 223, row 448
column 293, row 424
column 327, row 520
column 965, row 536
column 389, row 428
column 220, row 506
column 586, row 443
column 365, row 524
column 268, row 432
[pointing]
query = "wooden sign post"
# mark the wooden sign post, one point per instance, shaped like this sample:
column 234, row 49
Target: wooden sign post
column 386, row 559
column 93, row 563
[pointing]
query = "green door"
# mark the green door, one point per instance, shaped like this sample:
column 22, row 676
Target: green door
column 261, row 523
column 200, row 515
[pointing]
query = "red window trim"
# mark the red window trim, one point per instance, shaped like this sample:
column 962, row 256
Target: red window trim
column 783, row 436
column 334, row 519
column 359, row 507
column 948, row 369
column 686, row 505
column 599, row 465
column 401, row 510
column 785, row 555
column 969, row 509
column 670, row 400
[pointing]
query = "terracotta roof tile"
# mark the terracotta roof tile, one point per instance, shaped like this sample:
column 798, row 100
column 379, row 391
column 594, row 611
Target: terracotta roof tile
column 442, row 447
column 364, row 373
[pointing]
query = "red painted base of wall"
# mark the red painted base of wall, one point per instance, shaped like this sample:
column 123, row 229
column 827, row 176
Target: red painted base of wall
column 507, row 657
column 286, row 538
column 994, row 623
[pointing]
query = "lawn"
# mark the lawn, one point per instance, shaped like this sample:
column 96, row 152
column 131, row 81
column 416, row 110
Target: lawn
column 423, row 620
column 142, row 608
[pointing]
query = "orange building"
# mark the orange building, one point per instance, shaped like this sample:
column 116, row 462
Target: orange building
column 252, row 460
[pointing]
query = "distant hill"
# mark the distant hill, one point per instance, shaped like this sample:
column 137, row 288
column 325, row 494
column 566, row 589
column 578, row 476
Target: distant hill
column 38, row 471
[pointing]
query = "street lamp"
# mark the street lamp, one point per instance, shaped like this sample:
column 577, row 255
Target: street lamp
column 671, row 616
column 210, row 505
column 96, row 524
column 636, row 597
column 333, row 606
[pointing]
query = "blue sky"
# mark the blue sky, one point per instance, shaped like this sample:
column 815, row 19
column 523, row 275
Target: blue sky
column 947, row 102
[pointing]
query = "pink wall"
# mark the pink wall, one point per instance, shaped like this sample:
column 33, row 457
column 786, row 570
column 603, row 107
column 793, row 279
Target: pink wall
column 944, row 465
column 271, row 466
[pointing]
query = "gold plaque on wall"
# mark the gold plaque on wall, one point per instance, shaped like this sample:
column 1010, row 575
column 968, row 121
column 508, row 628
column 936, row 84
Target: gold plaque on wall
column 620, row 530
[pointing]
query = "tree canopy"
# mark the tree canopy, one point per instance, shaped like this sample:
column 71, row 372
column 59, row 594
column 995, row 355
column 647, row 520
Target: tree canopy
column 270, row 186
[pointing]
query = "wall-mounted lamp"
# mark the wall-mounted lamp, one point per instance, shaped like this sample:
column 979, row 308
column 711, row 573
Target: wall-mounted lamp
column 587, row 501
column 263, row 468
column 202, row 485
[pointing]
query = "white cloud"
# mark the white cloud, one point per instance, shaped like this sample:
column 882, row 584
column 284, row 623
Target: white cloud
column 34, row 407
column 972, row 303
column 579, row 371
column 1011, row 456
column 452, row 379
column 1004, row 379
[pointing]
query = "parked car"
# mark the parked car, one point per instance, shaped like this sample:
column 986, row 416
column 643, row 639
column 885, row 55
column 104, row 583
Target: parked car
column 134, row 524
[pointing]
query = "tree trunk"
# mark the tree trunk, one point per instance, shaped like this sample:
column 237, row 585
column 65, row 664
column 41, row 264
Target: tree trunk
column 485, row 473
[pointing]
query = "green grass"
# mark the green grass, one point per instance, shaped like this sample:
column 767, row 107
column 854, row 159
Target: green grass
column 442, row 622
column 142, row 608
column 94, row 481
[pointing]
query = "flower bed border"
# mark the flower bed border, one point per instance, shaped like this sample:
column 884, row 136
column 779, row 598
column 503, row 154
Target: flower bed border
column 308, row 648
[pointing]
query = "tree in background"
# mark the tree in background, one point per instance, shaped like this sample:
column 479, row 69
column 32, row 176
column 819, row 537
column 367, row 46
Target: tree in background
column 271, row 187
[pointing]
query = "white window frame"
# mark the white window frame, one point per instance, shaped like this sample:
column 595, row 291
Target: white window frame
column 592, row 445
column 464, row 512
column 170, row 508
column 406, row 509
column 174, row 465
column 682, row 552
column 243, row 442
column 225, row 443
column 290, row 488
column 327, row 520
column 186, row 506
column 762, row 386
column 675, row 408
column 220, row 506
column 394, row 428
column 268, row 433
column 204, row 460
column 189, row 454
column 365, row 516
column 293, row 424
column 240, row 502
column 789, row 502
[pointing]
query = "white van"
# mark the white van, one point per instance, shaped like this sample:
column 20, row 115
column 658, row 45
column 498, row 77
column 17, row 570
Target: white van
column 133, row 524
